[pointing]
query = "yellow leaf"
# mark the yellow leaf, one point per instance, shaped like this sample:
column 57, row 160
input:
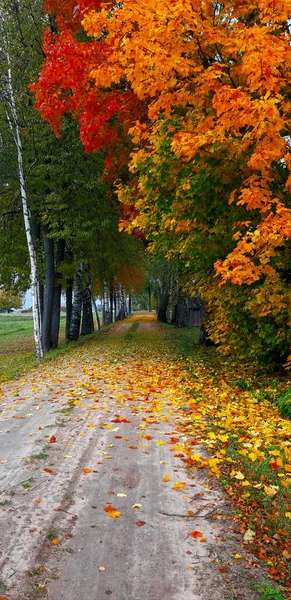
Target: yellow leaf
column 179, row 486
column 271, row 490
column 160, row 443
column 237, row 556
column 249, row 535
column 55, row 541
column 166, row 478
column 239, row 475
column 288, row 515
column 114, row 514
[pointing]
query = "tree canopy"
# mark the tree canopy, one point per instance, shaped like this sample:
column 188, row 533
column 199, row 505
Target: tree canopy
column 210, row 87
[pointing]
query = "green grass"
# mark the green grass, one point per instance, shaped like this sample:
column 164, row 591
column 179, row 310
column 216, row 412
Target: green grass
column 17, row 344
column 51, row 534
column 268, row 592
column 40, row 456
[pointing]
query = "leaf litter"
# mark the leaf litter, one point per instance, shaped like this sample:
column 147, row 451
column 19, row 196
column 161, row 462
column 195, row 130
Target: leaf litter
column 157, row 388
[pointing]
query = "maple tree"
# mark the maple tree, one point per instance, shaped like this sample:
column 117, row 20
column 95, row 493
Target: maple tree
column 222, row 70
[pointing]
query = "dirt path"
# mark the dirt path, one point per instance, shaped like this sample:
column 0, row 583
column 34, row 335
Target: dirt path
column 95, row 499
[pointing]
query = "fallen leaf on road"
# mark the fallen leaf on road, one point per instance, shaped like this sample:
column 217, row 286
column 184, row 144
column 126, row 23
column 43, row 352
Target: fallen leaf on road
column 179, row 486
column 137, row 505
column 196, row 534
column 166, row 478
column 86, row 471
column 112, row 512
column 55, row 542
column 47, row 470
column 140, row 523
column 53, row 439
column 249, row 535
column 120, row 419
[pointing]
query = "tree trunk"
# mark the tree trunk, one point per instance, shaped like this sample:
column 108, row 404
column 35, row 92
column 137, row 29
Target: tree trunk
column 87, row 317
column 150, row 298
column 115, row 303
column 111, row 304
column 55, row 324
column 96, row 313
column 12, row 118
column 129, row 304
column 69, row 306
column 48, row 292
column 106, row 305
column 74, row 330
column 162, row 308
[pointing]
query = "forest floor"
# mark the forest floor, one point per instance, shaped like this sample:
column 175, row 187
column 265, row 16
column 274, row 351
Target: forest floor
column 135, row 466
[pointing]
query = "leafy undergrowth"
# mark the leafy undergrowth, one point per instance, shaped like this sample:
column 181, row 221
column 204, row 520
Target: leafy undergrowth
column 249, row 447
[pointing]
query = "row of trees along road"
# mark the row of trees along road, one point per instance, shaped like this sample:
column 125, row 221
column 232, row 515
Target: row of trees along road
column 202, row 89
column 59, row 216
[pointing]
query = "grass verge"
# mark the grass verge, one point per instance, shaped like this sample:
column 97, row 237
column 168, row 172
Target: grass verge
column 232, row 411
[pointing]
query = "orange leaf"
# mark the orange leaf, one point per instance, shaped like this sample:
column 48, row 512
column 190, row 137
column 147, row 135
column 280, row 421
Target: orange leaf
column 179, row 486
column 120, row 419
column 196, row 534
column 53, row 439
column 47, row 470
column 140, row 523
column 55, row 541
column 112, row 512
column 166, row 478
column 87, row 471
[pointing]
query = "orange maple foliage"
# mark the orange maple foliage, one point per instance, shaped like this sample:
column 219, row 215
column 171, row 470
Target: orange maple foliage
column 222, row 71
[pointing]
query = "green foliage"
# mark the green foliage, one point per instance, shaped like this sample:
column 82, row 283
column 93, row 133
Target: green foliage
column 284, row 404
column 9, row 300
column 268, row 592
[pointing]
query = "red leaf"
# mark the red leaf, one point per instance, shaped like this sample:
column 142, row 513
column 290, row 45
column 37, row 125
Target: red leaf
column 120, row 419
column 274, row 466
column 196, row 534
column 53, row 439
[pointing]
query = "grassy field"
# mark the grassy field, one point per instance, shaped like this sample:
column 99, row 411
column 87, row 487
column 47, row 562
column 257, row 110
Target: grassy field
column 17, row 344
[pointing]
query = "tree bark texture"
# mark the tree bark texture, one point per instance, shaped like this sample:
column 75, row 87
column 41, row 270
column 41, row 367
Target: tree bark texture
column 56, row 313
column 48, row 291
column 12, row 118
column 74, row 330
column 87, row 314
column 69, row 306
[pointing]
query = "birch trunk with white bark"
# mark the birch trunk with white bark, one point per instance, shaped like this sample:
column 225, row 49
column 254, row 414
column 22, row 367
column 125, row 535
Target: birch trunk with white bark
column 12, row 117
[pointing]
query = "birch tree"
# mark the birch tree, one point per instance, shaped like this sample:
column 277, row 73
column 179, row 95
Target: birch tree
column 9, row 100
